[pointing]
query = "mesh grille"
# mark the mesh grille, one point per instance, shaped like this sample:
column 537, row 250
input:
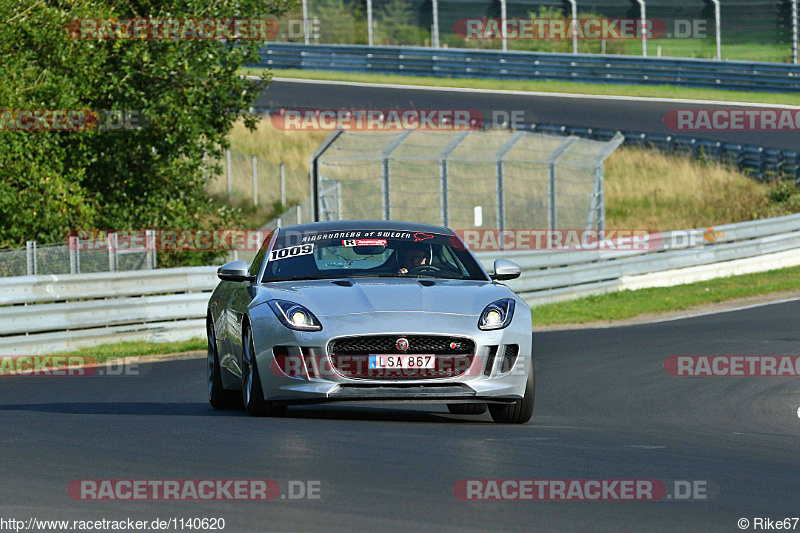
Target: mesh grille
column 387, row 344
column 350, row 355
column 509, row 357
column 490, row 360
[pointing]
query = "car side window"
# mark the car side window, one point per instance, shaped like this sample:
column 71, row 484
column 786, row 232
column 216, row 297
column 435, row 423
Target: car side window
column 255, row 266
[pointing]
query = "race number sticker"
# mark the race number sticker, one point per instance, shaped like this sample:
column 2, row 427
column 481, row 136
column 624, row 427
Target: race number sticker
column 292, row 251
column 364, row 242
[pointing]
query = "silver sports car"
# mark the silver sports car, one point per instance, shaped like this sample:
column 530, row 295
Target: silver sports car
column 369, row 311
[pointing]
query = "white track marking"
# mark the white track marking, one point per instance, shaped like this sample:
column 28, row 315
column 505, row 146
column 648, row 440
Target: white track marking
column 532, row 93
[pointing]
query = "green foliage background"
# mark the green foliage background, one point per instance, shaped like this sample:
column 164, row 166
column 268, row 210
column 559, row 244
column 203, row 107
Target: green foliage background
column 52, row 182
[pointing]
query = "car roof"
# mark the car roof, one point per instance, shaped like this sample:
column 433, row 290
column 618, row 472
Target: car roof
column 350, row 225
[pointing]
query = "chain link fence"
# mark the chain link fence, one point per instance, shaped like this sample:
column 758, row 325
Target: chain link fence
column 753, row 30
column 247, row 180
column 493, row 180
column 78, row 256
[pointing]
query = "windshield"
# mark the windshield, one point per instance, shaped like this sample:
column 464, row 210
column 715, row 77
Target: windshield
column 369, row 253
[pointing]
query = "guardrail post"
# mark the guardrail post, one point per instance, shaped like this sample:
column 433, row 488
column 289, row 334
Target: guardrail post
column 30, row 253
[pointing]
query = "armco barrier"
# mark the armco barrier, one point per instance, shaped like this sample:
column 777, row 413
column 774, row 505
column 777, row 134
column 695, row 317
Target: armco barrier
column 44, row 314
column 466, row 63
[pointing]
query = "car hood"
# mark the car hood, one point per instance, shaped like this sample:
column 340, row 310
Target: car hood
column 369, row 295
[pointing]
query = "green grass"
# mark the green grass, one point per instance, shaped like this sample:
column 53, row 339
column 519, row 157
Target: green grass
column 107, row 352
column 627, row 304
column 657, row 91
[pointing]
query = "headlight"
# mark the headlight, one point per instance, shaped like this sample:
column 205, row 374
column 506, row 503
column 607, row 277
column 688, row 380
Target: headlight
column 295, row 316
column 497, row 315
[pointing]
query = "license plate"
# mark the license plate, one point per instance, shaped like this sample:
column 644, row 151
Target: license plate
column 402, row 362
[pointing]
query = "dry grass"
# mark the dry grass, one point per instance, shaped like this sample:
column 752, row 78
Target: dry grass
column 644, row 189
column 293, row 148
column 649, row 190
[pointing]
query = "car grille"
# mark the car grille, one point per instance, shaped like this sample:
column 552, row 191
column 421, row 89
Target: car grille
column 387, row 344
column 350, row 355
column 510, row 357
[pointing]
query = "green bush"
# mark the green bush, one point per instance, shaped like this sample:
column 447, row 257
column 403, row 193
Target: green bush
column 152, row 177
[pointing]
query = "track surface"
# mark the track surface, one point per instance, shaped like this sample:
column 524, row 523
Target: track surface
column 606, row 409
column 646, row 116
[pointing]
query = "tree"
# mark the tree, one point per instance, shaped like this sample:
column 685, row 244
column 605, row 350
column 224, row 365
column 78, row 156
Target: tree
column 185, row 95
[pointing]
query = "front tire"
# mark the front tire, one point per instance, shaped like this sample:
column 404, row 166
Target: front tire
column 218, row 396
column 520, row 411
column 252, row 393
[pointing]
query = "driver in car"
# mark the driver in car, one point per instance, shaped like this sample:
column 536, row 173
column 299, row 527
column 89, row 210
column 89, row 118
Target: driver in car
column 413, row 256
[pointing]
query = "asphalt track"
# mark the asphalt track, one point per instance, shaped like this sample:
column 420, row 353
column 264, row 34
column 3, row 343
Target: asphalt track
column 589, row 111
column 606, row 409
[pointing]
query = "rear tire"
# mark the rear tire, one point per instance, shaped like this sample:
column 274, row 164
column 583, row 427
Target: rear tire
column 520, row 411
column 252, row 393
column 466, row 408
column 218, row 396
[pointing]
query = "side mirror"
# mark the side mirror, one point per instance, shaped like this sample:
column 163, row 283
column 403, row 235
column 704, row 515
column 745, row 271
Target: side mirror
column 234, row 271
column 505, row 269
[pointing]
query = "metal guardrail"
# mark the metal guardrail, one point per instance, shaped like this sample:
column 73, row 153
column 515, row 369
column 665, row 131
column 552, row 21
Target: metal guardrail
column 459, row 62
column 761, row 162
column 44, row 314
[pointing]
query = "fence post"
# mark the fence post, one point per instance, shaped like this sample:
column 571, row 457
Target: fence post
column 794, row 31
column 112, row 263
column 30, row 252
column 369, row 23
column 283, row 185
column 255, row 182
column 305, row 21
column 717, row 30
column 74, row 265
column 643, row 26
column 228, row 161
column 574, row 25
column 501, row 153
column 152, row 256
column 299, row 214
column 503, row 32
column 435, row 27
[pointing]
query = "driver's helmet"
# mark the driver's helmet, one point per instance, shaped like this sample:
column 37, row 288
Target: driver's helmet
column 407, row 248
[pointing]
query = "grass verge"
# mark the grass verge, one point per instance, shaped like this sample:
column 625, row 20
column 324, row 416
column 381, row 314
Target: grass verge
column 108, row 352
column 628, row 304
column 655, row 91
